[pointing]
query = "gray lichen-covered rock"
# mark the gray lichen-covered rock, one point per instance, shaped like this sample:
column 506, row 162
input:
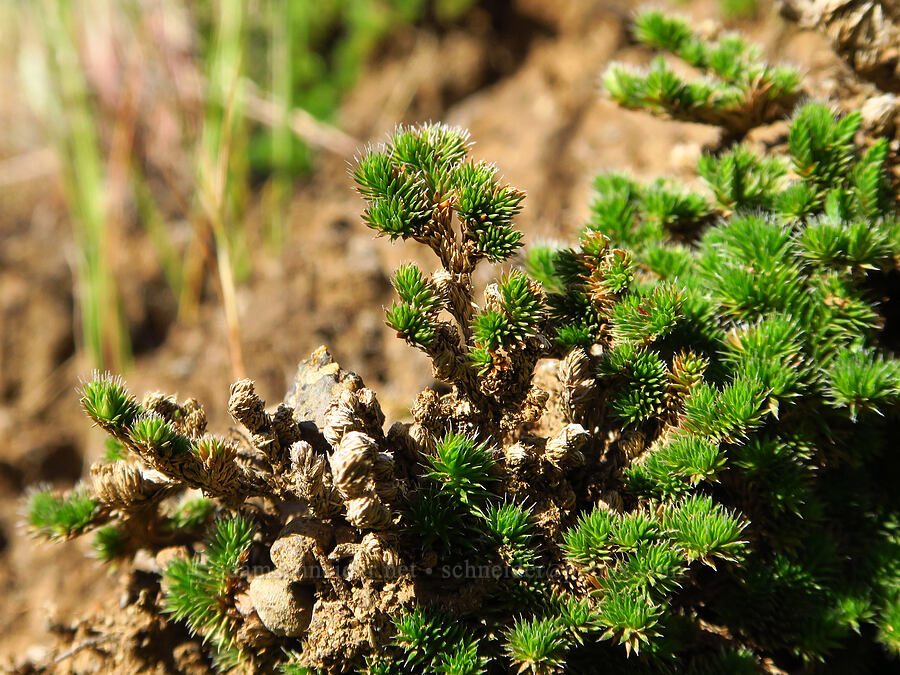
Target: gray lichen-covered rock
column 318, row 381
column 284, row 606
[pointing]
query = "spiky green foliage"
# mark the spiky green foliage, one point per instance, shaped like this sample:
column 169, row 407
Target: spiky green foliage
column 536, row 646
column 210, row 446
column 676, row 467
column 822, row 147
column 415, row 317
column 770, row 352
column 200, row 590
column 629, row 617
column 665, row 205
column 106, row 401
column 461, row 465
column 463, row 659
column 192, row 513
column 578, row 616
column 510, row 320
column 510, row 526
column 778, row 373
column 423, row 171
column 154, row 434
column 655, row 567
column 646, row 318
column 486, row 210
column 422, row 185
column 729, row 413
column 642, row 565
column 857, row 246
column 616, row 204
column 439, row 520
column 741, row 180
column 426, row 637
column 739, row 91
column 589, row 544
column 634, row 530
column 399, row 206
column 859, row 381
column 779, row 323
column 60, row 516
column 639, row 380
column 705, row 530
column 110, row 543
column 521, row 304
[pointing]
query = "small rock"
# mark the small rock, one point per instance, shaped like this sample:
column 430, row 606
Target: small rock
column 318, row 381
column 37, row 654
column 167, row 556
column 323, row 533
column 147, row 562
column 284, row 607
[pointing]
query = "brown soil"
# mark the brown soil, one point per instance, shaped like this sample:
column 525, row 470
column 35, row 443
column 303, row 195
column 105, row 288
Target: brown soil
column 526, row 85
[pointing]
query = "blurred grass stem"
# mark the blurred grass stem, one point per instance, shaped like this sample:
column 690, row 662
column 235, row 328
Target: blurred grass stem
column 103, row 330
column 214, row 162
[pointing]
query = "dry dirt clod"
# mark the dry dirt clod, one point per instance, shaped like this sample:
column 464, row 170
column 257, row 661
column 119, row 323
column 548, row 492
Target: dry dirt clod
column 253, row 633
column 293, row 553
column 293, row 556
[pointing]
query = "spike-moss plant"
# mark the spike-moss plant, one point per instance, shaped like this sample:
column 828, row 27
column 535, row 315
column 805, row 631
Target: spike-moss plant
column 704, row 482
column 738, row 92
